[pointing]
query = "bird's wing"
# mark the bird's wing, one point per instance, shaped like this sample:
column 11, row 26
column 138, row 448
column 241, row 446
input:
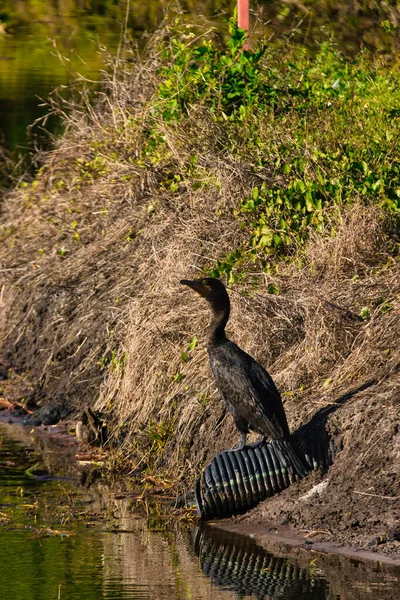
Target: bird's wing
column 250, row 390
column 268, row 398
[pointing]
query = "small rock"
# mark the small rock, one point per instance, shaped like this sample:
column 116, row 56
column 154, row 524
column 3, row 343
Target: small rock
column 394, row 534
column 50, row 414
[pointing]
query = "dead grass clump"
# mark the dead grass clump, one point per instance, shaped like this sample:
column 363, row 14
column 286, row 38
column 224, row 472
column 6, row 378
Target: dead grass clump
column 358, row 242
column 350, row 310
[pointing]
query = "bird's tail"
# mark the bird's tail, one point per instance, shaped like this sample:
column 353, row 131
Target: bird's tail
column 289, row 457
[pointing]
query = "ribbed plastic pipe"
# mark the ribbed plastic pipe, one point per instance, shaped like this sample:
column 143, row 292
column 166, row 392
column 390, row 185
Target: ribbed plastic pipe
column 238, row 480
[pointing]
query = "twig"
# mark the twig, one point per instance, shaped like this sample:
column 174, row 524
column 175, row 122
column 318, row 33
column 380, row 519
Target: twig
column 12, row 405
column 317, row 532
column 376, row 495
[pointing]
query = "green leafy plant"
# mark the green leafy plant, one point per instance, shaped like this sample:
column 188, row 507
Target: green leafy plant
column 186, row 353
column 114, row 361
column 225, row 80
column 159, row 432
column 313, row 156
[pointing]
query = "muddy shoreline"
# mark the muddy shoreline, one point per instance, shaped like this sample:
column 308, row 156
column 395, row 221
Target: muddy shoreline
column 273, row 536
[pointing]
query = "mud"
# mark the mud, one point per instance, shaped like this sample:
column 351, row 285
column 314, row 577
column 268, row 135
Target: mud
column 278, row 538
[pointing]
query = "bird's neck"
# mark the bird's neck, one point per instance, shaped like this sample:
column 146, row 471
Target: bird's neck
column 216, row 329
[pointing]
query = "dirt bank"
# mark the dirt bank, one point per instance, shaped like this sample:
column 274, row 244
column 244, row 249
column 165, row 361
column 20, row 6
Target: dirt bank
column 131, row 200
column 357, row 501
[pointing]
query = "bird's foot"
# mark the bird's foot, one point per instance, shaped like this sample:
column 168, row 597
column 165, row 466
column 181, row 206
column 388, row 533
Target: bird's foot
column 256, row 444
column 242, row 443
column 244, row 446
column 239, row 448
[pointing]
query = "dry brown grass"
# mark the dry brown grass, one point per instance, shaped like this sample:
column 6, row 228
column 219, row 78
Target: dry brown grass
column 75, row 307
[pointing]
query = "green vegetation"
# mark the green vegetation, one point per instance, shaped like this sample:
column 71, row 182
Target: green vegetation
column 352, row 23
column 318, row 131
column 158, row 434
column 113, row 361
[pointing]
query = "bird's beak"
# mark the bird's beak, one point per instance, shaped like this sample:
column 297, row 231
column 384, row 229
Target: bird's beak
column 197, row 286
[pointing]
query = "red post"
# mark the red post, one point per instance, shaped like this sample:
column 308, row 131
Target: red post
column 243, row 19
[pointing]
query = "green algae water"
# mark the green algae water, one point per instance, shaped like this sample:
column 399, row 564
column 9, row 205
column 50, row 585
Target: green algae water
column 30, row 69
column 61, row 540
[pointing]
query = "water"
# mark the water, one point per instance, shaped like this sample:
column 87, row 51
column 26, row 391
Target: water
column 30, row 69
column 63, row 541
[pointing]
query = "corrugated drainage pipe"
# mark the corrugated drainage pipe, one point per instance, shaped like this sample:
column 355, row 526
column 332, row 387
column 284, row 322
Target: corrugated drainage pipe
column 238, row 480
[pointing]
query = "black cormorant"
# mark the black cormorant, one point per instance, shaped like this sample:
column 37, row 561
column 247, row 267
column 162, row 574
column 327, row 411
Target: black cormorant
column 247, row 389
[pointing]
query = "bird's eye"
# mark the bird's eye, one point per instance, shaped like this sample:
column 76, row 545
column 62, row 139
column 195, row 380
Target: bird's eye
column 205, row 282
